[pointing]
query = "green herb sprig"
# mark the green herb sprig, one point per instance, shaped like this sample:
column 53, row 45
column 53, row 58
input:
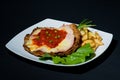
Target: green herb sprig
column 85, row 23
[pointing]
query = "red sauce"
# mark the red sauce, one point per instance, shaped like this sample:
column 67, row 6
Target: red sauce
column 49, row 37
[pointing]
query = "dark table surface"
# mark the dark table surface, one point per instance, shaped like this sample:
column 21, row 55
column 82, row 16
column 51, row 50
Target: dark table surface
column 19, row 15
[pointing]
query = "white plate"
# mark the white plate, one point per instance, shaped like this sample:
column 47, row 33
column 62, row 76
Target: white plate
column 16, row 44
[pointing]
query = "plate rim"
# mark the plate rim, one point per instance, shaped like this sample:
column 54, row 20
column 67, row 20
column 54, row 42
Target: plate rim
column 33, row 26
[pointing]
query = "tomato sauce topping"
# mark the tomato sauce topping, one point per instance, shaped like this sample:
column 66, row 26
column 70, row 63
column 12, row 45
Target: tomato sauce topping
column 49, row 37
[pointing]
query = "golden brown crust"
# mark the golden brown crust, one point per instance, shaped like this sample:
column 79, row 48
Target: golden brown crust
column 69, row 51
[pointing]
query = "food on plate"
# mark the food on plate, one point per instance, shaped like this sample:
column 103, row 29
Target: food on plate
column 82, row 54
column 93, row 38
column 87, row 36
column 68, row 44
column 55, row 41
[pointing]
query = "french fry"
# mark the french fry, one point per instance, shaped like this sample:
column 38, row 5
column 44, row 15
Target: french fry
column 92, row 43
column 97, row 41
column 98, row 36
column 84, row 37
column 91, row 35
column 82, row 32
column 93, row 38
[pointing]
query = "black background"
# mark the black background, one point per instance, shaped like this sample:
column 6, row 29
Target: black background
column 19, row 15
